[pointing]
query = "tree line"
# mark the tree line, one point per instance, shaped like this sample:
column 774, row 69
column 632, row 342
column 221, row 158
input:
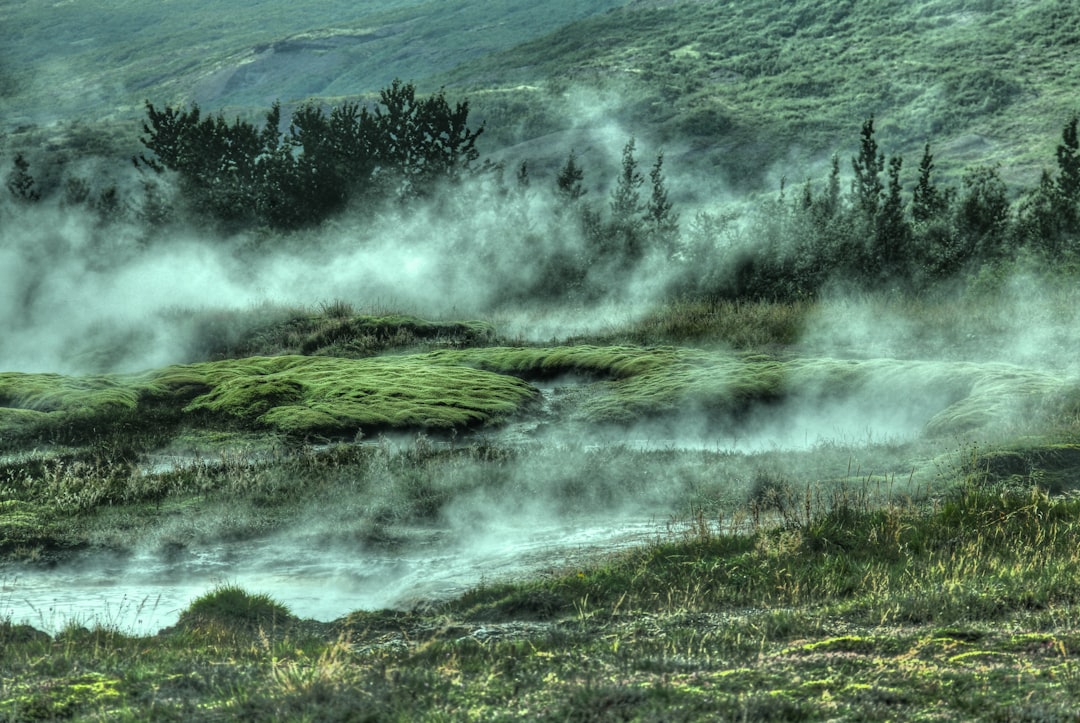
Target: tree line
column 408, row 149
column 880, row 236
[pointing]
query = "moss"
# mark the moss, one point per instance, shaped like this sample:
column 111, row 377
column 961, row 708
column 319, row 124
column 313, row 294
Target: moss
column 646, row 382
column 52, row 392
column 64, row 698
column 329, row 395
column 457, row 389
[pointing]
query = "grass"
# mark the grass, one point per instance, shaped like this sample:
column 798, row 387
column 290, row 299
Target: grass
column 956, row 609
column 289, row 394
column 466, row 388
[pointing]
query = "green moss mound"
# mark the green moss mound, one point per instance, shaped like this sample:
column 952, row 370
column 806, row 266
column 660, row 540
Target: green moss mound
column 231, row 605
column 300, row 395
column 463, row 389
column 290, row 394
column 955, row 397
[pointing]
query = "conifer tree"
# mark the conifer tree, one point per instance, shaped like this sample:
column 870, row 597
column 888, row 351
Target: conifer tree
column 927, row 201
column 21, row 184
column 866, row 187
column 1068, row 158
column 892, row 231
column 661, row 221
column 570, row 181
column 623, row 240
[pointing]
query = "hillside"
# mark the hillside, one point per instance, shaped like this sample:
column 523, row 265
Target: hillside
column 738, row 94
column 104, row 59
column 756, row 89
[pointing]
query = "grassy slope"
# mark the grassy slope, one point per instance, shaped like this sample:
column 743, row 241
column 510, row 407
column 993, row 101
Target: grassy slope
column 102, row 58
column 738, row 87
column 744, row 90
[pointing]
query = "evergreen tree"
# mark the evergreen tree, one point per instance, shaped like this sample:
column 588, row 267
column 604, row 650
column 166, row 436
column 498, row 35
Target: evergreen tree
column 624, row 238
column 1068, row 158
column 661, row 221
column 423, row 142
column 983, row 213
column 927, row 201
column 570, row 181
column 626, row 196
column 1068, row 180
column 866, row 187
column 20, row 183
column 893, row 235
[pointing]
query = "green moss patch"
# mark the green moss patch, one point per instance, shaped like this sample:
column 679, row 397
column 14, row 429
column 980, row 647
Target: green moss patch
column 956, row 397
column 26, row 529
column 458, row 389
column 301, row 395
column 290, row 394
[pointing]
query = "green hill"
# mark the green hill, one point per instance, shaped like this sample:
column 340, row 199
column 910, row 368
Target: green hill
column 737, row 87
column 104, row 59
column 737, row 93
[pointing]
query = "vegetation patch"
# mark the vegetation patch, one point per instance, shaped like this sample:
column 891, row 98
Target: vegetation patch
column 290, row 394
column 665, row 381
column 230, row 605
column 303, row 395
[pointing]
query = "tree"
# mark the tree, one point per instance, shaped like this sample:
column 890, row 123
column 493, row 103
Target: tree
column 1068, row 180
column 662, row 223
column 866, row 187
column 1049, row 216
column 1068, row 158
column 569, row 183
column 983, row 213
column 244, row 175
column 892, row 233
column 422, row 142
column 927, row 202
column 20, row 183
column 626, row 196
column 218, row 163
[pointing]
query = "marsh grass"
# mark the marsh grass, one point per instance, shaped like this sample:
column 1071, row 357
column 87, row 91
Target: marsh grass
column 957, row 605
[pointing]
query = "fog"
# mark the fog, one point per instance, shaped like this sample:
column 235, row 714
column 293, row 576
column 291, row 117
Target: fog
column 71, row 284
column 83, row 294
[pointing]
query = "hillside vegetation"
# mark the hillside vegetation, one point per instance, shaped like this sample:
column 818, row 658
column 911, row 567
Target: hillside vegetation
column 755, row 89
column 102, row 59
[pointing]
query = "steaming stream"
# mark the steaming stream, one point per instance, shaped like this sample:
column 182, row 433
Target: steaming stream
column 144, row 593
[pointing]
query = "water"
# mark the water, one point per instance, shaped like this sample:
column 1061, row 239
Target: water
column 141, row 594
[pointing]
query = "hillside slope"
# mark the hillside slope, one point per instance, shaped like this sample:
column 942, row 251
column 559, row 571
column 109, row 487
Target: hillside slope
column 746, row 88
column 101, row 58
column 737, row 94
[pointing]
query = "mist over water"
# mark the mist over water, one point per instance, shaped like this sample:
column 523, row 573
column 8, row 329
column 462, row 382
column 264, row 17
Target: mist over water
column 79, row 296
column 146, row 592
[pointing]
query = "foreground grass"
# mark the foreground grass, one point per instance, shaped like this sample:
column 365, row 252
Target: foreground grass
column 955, row 608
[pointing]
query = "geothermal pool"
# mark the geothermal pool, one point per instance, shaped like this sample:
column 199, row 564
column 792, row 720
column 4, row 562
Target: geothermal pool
column 141, row 594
